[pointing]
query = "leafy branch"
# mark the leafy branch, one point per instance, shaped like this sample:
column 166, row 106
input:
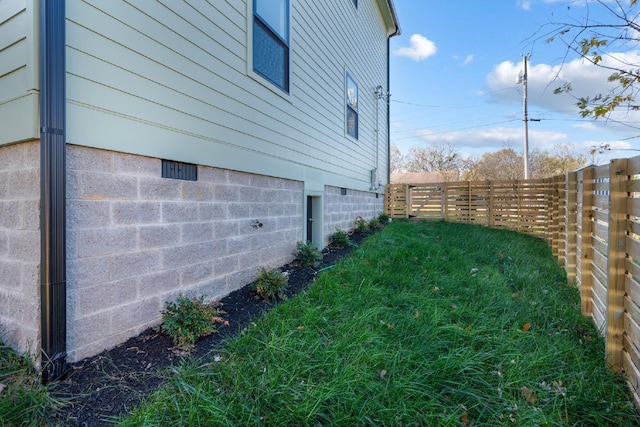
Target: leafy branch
column 594, row 42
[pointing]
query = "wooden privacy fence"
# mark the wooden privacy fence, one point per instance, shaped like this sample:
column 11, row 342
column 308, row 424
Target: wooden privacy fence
column 591, row 220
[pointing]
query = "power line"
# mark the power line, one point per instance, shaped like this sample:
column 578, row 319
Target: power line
column 458, row 130
column 626, row 123
column 448, row 124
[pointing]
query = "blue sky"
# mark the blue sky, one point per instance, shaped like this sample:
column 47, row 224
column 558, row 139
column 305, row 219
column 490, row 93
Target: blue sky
column 454, row 70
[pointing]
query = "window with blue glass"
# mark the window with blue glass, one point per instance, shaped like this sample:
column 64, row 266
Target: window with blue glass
column 351, row 99
column 355, row 3
column 271, row 41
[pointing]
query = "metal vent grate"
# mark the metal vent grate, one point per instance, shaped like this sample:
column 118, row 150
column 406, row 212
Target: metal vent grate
column 179, row 170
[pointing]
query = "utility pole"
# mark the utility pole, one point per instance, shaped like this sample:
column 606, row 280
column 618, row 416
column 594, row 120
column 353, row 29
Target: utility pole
column 522, row 78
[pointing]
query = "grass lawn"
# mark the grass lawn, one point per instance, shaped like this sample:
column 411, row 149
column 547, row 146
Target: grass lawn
column 24, row 400
column 427, row 323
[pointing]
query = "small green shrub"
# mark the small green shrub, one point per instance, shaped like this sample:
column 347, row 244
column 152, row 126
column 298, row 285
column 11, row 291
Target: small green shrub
column 270, row 283
column 374, row 223
column 339, row 239
column 307, row 254
column 188, row 319
column 361, row 225
column 383, row 218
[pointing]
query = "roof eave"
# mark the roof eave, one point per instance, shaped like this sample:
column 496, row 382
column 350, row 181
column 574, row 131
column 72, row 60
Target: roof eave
column 390, row 17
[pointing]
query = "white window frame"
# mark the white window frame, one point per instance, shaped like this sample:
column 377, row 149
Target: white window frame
column 265, row 81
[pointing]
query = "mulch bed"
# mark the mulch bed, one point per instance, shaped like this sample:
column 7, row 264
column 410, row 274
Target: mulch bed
column 112, row 383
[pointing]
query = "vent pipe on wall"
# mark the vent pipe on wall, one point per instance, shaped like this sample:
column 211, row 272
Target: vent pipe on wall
column 53, row 280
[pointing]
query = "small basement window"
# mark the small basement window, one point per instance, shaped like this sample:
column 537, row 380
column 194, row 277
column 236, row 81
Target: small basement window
column 343, row 191
column 179, row 170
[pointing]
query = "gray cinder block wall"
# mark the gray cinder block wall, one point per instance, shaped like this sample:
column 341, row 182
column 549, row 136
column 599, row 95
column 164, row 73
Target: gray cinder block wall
column 341, row 211
column 20, row 246
column 136, row 240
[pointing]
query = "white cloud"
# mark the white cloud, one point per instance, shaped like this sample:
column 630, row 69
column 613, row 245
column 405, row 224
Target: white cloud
column 617, row 149
column 586, row 80
column 493, row 139
column 467, row 60
column 475, row 143
column 586, row 126
column 421, row 48
column 524, row 4
column 619, row 145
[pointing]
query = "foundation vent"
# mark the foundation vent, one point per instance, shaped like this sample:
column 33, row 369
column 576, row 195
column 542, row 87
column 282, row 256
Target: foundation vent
column 179, row 170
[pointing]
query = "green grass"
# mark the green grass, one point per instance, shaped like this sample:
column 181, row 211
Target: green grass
column 433, row 324
column 24, row 401
column 429, row 323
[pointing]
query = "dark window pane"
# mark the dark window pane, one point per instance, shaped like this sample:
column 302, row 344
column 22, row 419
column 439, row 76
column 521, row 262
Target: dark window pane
column 352, row 123
column 352, row 106
column 352, row 93
column 270, row 56
column 355, row 3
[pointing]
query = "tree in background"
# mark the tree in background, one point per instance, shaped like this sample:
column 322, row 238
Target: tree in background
column 396, row 160
column 507, row 164
column 558, row 162
column 437, row 157
column 504, row 164
column 600, row 44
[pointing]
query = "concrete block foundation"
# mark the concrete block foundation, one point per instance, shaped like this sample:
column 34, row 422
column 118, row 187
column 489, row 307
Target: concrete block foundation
column 136, row 240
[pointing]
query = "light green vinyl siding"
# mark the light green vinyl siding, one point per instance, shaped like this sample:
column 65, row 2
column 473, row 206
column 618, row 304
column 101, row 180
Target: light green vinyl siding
column 172, row 80
column 19, row 114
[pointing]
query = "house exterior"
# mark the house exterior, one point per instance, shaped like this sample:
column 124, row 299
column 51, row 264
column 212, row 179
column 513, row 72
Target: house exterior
column 151, row 148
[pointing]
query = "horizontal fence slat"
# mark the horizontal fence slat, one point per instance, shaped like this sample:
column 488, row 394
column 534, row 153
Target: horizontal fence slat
column 599, row 245
column 631, row 336
column 632, row 374
column 632, row 289
column 601, row 215
column 633, row 205
column 633, row 186
column 633, row 248
column 631, row 326
column 601, row 230
column 633, row 350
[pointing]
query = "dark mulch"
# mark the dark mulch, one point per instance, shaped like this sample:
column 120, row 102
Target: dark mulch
column 105, row 386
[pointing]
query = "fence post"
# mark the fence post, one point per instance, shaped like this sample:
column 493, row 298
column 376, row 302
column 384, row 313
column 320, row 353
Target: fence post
column 560, row 182
column 571, row 225
column 549, row 211
column 618, row 177
column 553, row 213
column 492, row 194
column 519, row 187
column 585, row 276
column 445, row 201
column 469, row 211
